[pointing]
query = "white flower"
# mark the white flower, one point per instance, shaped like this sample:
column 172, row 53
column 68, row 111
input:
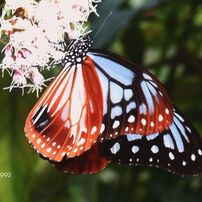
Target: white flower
column 15, row 4
column 19, row 79
column 35, row 30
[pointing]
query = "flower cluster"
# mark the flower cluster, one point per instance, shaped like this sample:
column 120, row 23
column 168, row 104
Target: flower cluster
column 33, row 31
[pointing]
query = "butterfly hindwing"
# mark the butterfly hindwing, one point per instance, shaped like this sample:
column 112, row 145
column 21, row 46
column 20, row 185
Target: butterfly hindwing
column 133, row 100
column 177, row 149
column 66, row 120
column 89, row 162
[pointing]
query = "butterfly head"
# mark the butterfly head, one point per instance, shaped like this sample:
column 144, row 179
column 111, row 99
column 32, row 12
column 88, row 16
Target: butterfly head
column 76, row 50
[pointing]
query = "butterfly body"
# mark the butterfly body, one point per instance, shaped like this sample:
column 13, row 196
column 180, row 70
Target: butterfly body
column 101, row 108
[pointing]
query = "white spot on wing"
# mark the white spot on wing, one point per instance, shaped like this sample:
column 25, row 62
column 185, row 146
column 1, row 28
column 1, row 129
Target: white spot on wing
column 152, row 89
column 160, row 118
column 131, row 119
column 104, row 83
column 184, row 163
column 168, row 142
column 152, row 136
column 116, row 124
column 93, row 130
column 130, row 106
column 181, row 128
column 91, row 106
column 102, row 128
column 167, row 111
column 177, row 137
column 144, row 122
column 78, row 97
column 154, row 84
column 146, row 76
column 142, row 109
column 115, row 148
column 65, row 111
column 117, row 71
column 193, row 157
column 49, row 149
column 154, row 149
column 81, row 141
column 116, row 93
column 135, row 149
column 188, row 129
column 83, row 127
column 179, row 117
column 200, row 152
column 116, row 111
column 128, row 93
column 152, row 124
column 38, row 141
column 132, row 137
column 171, row 156
column 148, row 96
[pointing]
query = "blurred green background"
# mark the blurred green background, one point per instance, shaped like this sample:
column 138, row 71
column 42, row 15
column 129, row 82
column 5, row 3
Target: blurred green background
column 164, row 36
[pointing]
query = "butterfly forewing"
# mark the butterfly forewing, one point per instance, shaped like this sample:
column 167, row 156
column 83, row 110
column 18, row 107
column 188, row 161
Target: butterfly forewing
column 133, row 100
column 177, row 149
column 66, row 120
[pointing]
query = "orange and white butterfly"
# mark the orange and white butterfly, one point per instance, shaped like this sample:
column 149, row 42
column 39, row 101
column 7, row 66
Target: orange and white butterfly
column 101, row 108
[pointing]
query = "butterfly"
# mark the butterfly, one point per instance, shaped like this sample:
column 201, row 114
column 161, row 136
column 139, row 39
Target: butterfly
column 102, row 108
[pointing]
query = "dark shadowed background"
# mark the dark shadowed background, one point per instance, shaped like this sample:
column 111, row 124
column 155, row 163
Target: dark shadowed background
column 164, row 36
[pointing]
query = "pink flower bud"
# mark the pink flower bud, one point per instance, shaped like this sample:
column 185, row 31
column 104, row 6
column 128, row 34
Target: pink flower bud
column 36, row 76
column 8, row 50
column 19, row 79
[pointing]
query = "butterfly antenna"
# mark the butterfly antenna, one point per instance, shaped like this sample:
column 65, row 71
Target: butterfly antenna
column 106, row 19
column 68, row 41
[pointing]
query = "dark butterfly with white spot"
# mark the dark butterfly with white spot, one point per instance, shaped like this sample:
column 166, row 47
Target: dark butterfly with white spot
column 103, row 108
